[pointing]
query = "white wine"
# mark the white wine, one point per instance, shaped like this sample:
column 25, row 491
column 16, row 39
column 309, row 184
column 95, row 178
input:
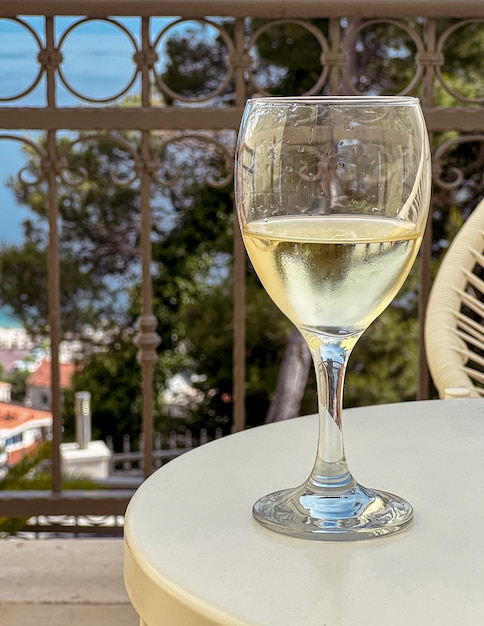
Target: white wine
column 332, row 273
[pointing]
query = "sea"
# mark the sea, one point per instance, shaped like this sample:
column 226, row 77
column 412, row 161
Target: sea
column 7, row 320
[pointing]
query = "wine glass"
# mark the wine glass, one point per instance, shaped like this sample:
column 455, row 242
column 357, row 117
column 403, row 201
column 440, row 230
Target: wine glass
column 332, row 196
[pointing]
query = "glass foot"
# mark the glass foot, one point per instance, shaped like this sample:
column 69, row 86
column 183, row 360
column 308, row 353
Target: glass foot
column 357, row 513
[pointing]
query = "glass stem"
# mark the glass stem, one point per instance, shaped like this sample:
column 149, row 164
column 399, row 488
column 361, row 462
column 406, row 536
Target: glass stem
column 330, row 474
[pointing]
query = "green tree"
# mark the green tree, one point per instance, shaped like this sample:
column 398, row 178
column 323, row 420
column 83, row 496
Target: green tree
column 17, row 379
column 112, row 378
column 198, row 253
column 98, row 240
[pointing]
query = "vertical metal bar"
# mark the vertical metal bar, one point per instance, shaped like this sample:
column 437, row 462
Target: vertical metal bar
column 54, row 315
column 145, row 70
column 428, row 80
column 425, row 257
column 53, row 265
column 335, row 42
column 239, row 331
column 239, row 366
column 147, row 339
column 430, row 28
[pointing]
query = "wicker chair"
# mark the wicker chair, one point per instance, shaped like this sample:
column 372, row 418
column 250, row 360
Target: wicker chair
column 454, row 331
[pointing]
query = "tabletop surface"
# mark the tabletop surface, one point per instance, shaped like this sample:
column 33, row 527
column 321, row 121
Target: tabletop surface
column 194, row 556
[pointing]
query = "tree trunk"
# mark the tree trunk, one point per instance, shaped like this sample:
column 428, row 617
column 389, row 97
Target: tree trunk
column 291, row 381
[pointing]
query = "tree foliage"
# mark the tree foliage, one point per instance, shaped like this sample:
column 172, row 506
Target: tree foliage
column 98, row 240
column 112, row 378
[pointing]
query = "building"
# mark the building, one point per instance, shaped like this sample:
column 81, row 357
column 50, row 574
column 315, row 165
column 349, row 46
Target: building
column 38, row 385
column 5, row 391
column 21, row 430
column 23, row 427
column 180, row 397
column 15, row 338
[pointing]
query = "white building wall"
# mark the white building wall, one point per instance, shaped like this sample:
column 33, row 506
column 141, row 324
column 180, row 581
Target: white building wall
column 5, row 392
column 15, row 339
column 38, row 398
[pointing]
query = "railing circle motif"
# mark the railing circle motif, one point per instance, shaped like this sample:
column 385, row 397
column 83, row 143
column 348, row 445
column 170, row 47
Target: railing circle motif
column 62, row 76
column 352, row 35
column 224, row 82
column 444, row 39
column 318, row 35
column 31, row 31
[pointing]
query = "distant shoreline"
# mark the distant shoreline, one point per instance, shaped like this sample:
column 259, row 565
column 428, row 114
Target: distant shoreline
column 7, row 321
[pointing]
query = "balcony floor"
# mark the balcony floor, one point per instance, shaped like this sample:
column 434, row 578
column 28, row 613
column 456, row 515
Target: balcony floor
column 63, row 581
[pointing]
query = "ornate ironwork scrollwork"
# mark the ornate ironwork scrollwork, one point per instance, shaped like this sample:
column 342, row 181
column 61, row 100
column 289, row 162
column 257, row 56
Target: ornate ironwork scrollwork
column 218, row 148
column 44, row 165
column 456, row 174
column 242, row 57
column 82, row 175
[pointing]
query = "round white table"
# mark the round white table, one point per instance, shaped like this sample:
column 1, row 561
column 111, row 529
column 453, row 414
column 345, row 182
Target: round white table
column 195, row 557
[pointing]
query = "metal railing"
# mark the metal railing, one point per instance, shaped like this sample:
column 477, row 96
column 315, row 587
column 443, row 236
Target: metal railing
column 130, row 461
column 429, row 28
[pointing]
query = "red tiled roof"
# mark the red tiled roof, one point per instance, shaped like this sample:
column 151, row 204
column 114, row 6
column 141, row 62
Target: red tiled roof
column 42, row 375
column 13, row 415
